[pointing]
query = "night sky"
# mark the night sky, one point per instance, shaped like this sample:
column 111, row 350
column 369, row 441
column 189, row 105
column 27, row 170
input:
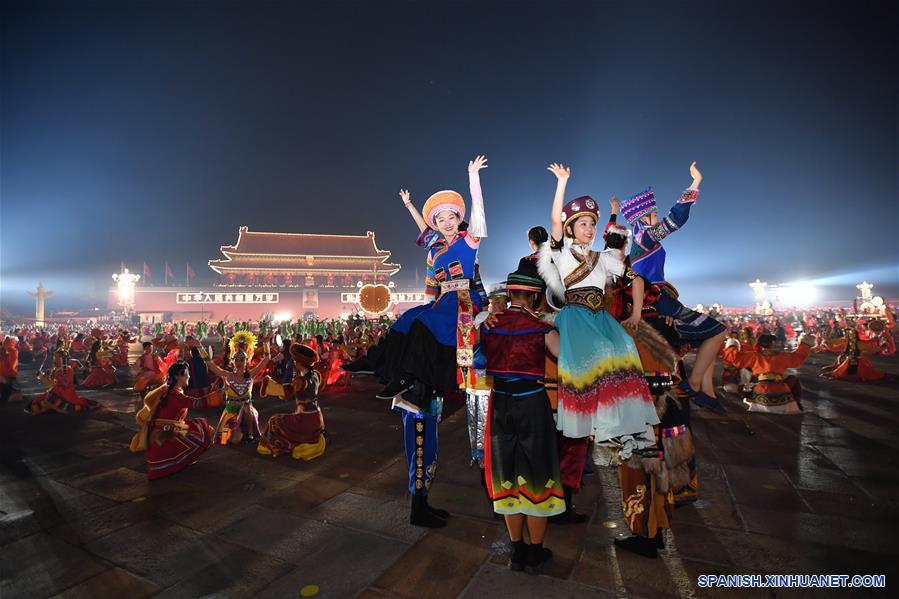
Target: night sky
column 151, row 131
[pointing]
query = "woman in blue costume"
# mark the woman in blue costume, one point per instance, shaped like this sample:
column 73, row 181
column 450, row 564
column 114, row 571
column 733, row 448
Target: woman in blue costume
column 430, row 349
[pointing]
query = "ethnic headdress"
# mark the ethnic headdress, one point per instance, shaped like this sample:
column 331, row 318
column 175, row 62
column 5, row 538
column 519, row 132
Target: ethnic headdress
column 443, row 200
column 526, row 278
column 639, row 205
column 578, row 207
column 243, row 338
column 303, row 354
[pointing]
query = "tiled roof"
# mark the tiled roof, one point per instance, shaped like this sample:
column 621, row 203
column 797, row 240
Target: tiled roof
column 304, row 244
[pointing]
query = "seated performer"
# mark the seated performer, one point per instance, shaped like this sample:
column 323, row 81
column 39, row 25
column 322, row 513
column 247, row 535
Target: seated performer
column 171, row 439
column 521, row 458
column 775, row 392
column 150, row 369
column 61, row 396
column 199, row 385
column 239, row 419
column 102, row 372
column 648, row 260
column 303, row 432
column 851, row 365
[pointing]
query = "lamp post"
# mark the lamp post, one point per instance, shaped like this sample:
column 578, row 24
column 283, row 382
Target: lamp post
column 126, row 281
column 865, row 287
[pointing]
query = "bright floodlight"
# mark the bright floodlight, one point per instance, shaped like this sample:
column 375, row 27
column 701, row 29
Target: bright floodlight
column 126, row 281
column 797, row 294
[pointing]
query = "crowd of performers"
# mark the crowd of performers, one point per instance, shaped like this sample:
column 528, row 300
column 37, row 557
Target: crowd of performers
column 579, row 348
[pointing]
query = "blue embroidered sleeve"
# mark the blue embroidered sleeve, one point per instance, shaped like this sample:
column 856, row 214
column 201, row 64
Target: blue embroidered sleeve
column 427, row 238
column 677, row 217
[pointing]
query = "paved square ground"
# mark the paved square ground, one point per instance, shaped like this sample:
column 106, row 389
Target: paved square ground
column 816, row 493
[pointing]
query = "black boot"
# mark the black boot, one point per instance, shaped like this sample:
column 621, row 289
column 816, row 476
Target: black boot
column 421, row 516
column 519, row 556
column 397, row 386
column 359, row 366
column 538, row 556
column 569, row 516
column 442, row 514
column 639, row 545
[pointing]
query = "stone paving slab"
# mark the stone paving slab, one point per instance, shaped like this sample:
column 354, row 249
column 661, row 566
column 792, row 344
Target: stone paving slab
column 114, row 582
column 340, row 567
column 41, row 565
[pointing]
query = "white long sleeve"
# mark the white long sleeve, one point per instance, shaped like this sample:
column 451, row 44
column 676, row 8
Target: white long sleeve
column 477, row 223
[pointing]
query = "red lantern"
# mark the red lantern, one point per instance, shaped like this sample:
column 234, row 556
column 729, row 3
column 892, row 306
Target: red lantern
column 288, row 279
column 232, row 277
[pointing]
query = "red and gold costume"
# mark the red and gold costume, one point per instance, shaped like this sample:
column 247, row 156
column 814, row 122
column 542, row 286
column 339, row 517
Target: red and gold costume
column 61, row 396
column 302, row 433
column 171, row 439
column 775, row 392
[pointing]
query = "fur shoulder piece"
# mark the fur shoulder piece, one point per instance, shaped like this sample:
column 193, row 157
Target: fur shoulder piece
column 548, row 271
column 656, row 344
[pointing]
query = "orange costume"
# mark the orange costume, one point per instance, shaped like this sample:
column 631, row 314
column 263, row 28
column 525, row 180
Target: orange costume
column 851, row 365
column 774, row 393
column 9, row 368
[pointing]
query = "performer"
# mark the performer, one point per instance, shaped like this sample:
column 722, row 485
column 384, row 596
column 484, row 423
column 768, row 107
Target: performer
column 852, row 365
column 648, row 260
column 602, row 391
column 61, row 396
column 775, row 392
column 239, row 419
column 199, row 384
column 572, row 452
column 9, row 368
column 649, row 477
column 102, row 372
column 150, row 369
column 171, row 439
column 521, row 459
column 302, row 433
column 431, row 348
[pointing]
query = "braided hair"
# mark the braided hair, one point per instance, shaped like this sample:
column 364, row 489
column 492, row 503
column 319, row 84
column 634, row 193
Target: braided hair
column 175, row 371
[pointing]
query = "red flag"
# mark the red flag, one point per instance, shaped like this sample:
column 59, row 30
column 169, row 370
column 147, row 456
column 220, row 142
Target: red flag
column 416, row 277
column 190, row 273
column 146, row 271
column 168, row 272
column 122, row 266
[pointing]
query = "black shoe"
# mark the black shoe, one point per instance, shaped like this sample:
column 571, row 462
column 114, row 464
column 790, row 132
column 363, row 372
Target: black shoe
column 395, row 387
column 442, row 514
column 422, row 516
column 538, row 556
column 659, row 539
column 639, row 545
column 569, row 516
column 359, row 366
column 519, row 556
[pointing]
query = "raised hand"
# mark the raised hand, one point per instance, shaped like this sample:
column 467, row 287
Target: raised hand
column 615, row 203
column 561, row 172
column 406, row 196
column 694, row 172
column 477, row 164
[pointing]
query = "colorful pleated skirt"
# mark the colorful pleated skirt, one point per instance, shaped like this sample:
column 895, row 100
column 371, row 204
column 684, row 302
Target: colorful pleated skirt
column 602, row 390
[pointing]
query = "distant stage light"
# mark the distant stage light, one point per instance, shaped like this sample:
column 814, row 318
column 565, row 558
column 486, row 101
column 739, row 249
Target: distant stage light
column 796, row 294
column 282, row 316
